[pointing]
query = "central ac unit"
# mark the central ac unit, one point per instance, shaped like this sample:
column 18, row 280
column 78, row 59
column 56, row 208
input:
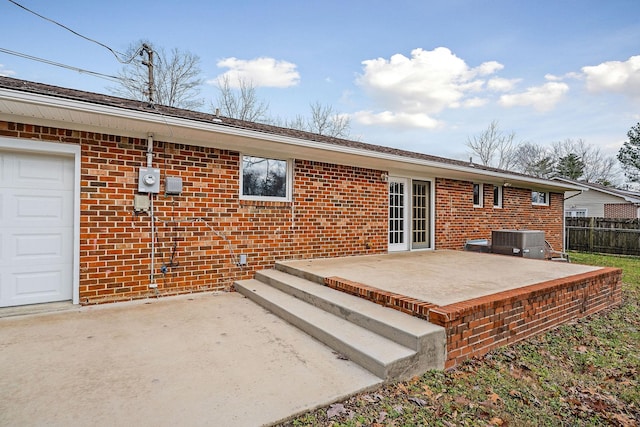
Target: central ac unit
column 522, row 243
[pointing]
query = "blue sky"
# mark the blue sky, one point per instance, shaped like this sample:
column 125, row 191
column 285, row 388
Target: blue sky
column 419, row 75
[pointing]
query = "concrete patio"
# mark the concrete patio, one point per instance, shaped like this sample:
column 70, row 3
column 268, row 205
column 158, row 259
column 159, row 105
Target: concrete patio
column 198, row 360
column 440, row 277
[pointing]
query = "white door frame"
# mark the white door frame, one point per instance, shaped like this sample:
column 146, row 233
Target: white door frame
column 429, row 212
column 407, row 244
column 400, row 214
column 31, row 146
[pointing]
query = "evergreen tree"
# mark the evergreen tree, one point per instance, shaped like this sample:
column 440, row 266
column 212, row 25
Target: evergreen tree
column 629, row 154
column 570, row 166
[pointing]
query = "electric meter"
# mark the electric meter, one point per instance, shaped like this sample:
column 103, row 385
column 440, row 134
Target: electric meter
column 149, row 180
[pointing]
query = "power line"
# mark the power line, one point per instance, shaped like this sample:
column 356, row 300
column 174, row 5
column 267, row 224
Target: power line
column 57, row 64
column 114, row 52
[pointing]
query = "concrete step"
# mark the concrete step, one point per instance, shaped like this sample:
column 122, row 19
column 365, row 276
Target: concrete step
column 300, row 273
column 379, row 355
column 405, row 330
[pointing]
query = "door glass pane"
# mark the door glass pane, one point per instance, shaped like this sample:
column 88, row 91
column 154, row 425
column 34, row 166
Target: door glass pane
column 396, row 212
column 421, row 202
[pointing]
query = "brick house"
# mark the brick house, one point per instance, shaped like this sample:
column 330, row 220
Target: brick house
column 106, row 199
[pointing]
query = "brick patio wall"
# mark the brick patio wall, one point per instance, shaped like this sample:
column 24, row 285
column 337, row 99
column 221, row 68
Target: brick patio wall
column 458, row 221
column 336, row 211
column 476, row 326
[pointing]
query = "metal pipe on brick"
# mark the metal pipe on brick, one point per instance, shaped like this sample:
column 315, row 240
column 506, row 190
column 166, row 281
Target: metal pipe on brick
column 152, row 281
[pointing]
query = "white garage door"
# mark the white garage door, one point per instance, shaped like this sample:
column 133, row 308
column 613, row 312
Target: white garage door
column 36, row 228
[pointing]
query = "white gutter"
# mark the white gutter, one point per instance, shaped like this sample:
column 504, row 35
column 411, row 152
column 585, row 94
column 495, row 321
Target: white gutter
column 158, row 118
column 577, row 194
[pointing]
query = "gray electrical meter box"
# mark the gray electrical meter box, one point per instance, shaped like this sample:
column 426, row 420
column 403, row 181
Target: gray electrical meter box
column 173, row 185
column 149, row 180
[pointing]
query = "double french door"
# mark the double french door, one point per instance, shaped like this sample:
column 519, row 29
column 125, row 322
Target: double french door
column 409, row 214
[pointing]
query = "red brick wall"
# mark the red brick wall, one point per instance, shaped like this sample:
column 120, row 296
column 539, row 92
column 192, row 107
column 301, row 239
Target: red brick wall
column 336, row 211
column 476, row 326
column 458, row 221
column 620, row 210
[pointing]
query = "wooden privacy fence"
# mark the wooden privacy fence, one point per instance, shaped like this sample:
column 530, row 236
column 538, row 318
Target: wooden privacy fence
column 607, row 235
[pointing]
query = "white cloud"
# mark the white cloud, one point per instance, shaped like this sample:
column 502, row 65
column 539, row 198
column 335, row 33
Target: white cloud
column 6, row 73
column 426, row 83
column 475, row 102
column 615, row 76
column 571, row 75
column 499, row 84
column 541, row 98
column 402, row 119
column 490, row 67
column 260, row 72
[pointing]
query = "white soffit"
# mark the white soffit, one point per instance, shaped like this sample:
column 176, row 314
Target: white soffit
column 80, row 115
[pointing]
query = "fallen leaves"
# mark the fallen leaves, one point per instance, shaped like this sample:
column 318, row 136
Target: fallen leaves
column 581, row 349
column 624, row 420
column 493, row 398
column 417, row 401
column 335, row 410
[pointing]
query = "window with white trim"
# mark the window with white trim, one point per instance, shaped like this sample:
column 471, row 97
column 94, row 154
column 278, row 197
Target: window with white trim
column 497, row 196
column 540, row 198
column 576, row 213
column 265, row 179
column 477, row 195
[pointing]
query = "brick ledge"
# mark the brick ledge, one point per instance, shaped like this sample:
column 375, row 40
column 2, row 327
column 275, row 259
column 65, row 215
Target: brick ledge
column 405, row 304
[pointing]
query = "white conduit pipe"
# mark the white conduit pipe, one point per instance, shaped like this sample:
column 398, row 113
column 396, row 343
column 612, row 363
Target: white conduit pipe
column 152, row 282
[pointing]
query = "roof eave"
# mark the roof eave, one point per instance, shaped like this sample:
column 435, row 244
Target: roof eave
column 140, row 123
column 587, row 187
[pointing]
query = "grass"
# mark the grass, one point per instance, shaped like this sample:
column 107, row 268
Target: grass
column 581, row 374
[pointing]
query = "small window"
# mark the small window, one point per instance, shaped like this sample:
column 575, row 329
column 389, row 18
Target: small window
column 477, row 195
column 497, row 196
column 265, row 179
column 575, row 213
column 540, row 198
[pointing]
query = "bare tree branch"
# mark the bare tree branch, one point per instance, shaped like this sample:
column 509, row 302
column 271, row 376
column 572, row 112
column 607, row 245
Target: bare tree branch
column 242, row 101
column 493, row 147
column 324, row 120
column 533, row 159
column 176, row 78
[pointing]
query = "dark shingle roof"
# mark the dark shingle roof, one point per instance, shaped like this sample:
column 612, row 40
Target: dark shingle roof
column 112, row 101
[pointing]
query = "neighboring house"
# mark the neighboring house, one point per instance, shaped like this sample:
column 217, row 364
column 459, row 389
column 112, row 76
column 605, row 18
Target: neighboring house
column 107, row 199
column 595, row 200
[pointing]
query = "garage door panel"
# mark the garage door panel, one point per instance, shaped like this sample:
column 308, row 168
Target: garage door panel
column 22, row 246
column 34, row 287
column 36, row 208
column 49, row 247
column 41, row 171
column 36, row 228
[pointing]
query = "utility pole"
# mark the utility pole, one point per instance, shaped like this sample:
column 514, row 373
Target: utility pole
column 149, row 63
